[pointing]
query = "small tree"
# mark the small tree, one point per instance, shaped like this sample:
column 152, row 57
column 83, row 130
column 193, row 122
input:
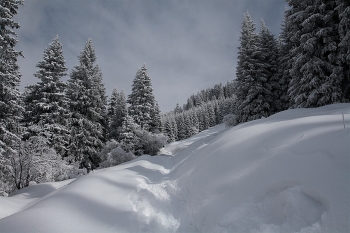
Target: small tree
column 143, row 107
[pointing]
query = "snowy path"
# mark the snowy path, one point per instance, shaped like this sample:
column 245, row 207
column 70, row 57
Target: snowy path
column 285, row 173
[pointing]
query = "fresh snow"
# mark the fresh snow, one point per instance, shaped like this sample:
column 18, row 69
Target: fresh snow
column 285, row 173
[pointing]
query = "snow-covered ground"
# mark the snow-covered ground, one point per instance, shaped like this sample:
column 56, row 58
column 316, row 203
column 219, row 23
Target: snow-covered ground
column 286, row 173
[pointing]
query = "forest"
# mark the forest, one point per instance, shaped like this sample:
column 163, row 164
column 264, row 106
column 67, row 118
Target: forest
column 55, row 130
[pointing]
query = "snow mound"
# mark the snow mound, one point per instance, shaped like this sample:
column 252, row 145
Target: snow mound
column 285, row 173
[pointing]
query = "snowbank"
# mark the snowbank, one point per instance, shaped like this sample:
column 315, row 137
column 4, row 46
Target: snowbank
column 285, row 173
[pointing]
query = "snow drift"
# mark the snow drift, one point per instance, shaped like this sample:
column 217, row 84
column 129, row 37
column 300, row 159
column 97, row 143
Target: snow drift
column 285, row 173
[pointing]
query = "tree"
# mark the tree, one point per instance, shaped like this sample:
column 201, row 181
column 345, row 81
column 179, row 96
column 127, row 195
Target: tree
column 143, row 107
column 10, row 97
column 46, row 102
column 285, row 62
column 87, row 102
column 178, row 109
column 266, row 101
column 117, row 112
column 246, row 71
column 128, row 139
column 317, row 76
column 343, row 55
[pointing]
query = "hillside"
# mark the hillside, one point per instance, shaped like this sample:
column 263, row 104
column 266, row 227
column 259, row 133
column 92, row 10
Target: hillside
column 285, row 173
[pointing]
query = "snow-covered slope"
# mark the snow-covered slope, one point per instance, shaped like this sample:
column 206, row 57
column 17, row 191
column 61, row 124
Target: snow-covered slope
column 286, row 173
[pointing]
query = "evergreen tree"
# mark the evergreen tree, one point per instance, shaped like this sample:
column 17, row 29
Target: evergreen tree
column 174, row 128
column 87, row 103
column 46, row 103
column 178, row 109
column 285, row 62
column 246, row 71
column 343, row 55
column 155, row 123
column 112, row 105
column 168, row 130
column 118, row 111
column 266, row 101
column 10, row 98
column 316, row 77
column 127, row 135
column 211, row 114
column 180, row 123
column 142, row 102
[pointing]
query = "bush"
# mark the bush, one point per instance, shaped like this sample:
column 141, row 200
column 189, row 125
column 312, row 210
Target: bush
column 229, row 120
column 113, row 154
column 150, row 143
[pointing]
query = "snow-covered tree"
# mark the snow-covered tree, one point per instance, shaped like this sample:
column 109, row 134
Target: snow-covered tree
column 343, row 56
column 46, row 102
column 266, row 101
column 285, row 62
column 246, row 70
column 155, row 123
column 168, row 130
column 117, row 112
column 142, row 101
column 10, row 97
column 127, row 135
column 317, row 76
column 178, row 109
column 87, row 102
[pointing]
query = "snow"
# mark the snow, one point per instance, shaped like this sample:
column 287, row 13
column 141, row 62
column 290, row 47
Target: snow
column 285, row 173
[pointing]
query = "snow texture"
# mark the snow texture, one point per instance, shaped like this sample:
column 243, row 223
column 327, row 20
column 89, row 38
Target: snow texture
column 285, row 173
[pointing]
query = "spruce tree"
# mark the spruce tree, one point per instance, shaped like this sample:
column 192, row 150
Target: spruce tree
column 284, row 61
column 10, row 97
column 142, row 102
column 127, row 137
column 316, row 75
column 342, row 11
column 46, row 103
column 246, row 71
column 266, row 101
column 117, row 113
column 87, row 102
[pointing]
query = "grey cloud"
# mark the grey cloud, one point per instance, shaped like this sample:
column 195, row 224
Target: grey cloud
column 186, row 45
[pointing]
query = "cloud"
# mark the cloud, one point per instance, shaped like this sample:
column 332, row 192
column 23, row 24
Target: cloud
column 186, row 45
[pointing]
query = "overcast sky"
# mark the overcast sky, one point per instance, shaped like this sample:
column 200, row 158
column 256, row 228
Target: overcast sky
column 187, row 45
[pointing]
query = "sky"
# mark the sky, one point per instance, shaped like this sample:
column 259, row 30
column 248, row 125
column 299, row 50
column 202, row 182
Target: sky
column 187, row 45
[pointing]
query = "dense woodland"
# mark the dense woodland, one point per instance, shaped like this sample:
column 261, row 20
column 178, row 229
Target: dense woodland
column 54, row 129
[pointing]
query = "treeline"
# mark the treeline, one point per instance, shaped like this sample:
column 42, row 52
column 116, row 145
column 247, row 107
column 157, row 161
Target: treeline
column 202, row 110
column 55, row 129
column 308, row 65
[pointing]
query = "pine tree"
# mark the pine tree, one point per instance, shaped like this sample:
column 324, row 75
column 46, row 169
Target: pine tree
column 117, row 112
column 112, row 105
column 155, row 123
column 284, row 60
column 87, row 98
column 142, row 101
column 168, row 130
column 10, row 97
column 46, row 103
column 343, row 55
column 316, row 76
column 178, row 109
column 246, row 71
column 266, row 100
column 127, row 135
